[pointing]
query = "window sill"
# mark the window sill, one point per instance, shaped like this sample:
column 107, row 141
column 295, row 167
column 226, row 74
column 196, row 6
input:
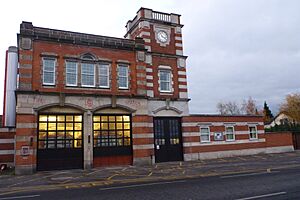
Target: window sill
column 165, row 91
column 103, row 87
column 88, row 86
column 230, row 140
column 253, row 139
column 48, row 85
column 204, row 142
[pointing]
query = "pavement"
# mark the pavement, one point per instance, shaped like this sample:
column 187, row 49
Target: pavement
column 108, row 176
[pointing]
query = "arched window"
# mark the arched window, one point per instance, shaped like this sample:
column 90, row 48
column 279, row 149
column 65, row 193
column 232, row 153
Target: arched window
column 88, row 56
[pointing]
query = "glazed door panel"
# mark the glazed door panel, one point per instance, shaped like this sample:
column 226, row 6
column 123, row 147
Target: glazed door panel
column 168, row 139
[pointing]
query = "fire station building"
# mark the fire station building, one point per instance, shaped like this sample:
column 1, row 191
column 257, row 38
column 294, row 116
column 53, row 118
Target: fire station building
column 76, row 100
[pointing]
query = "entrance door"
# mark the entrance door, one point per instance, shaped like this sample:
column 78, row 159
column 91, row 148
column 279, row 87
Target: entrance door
column 59, row 142
column 168, row 139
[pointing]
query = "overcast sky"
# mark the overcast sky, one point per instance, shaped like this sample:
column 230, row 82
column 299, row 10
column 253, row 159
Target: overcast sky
column 236, row 48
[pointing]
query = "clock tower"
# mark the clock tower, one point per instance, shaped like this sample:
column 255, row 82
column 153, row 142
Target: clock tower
column 165, row 61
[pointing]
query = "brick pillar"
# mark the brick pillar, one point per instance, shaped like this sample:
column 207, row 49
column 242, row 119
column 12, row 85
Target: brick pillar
column 26, row 144
column 87, row 140
column 143, row 140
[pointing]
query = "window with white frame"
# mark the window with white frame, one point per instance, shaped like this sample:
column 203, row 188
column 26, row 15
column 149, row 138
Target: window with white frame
column 165, row 80
column 71, row 73
column 49, row 71
column 229, row 132
column 87, row 74
column 123, row 76
column 204, row 134
column 104, row 75
column 252, row 132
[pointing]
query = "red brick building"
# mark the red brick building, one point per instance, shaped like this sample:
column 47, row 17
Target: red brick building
column 86, row 100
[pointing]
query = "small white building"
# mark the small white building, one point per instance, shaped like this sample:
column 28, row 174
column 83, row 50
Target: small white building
column 280, row 119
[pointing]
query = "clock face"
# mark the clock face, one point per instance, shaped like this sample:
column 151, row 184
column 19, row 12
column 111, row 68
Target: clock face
column 162, row 36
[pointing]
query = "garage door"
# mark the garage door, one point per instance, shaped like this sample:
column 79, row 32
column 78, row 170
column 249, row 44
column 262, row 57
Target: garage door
column 112, row 140
column 60, row 144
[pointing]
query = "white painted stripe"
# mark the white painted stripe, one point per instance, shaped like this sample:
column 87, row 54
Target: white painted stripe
column 182, row 86
column 20, row 197
column 189, row 134
column 178, row 44
column 251, row 174
column 149, row 77
column 263, row 196
column 6, row 152
column 143, row 146
column 142, row 124
column 143, row 135
column 7, row 130
column 186, row 124
column 149, row 84
column 182, row 79
column 236, row 133
column 142, row 185
column 149, row 69
column 181, row 72
column 193, row 144
column 145, row 33
column 26, row 125
column 147, row 40
column 178, row 38
column 6, row 141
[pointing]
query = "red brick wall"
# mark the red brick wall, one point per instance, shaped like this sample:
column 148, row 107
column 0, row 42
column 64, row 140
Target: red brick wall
column 23, row 120
column 138, row 130
column 217, row 123
column 242, row 140
column 7, row 145
column 276, row 139
column 67, row 49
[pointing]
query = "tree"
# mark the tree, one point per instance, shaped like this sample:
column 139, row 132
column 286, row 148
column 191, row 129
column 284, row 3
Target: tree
column 249, row 107
column 291, row 106
column 268, row 116
column 228, row 108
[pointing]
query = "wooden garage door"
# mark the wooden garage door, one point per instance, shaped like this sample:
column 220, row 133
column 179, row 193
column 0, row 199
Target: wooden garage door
column 112, row 140
column 60, row 143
